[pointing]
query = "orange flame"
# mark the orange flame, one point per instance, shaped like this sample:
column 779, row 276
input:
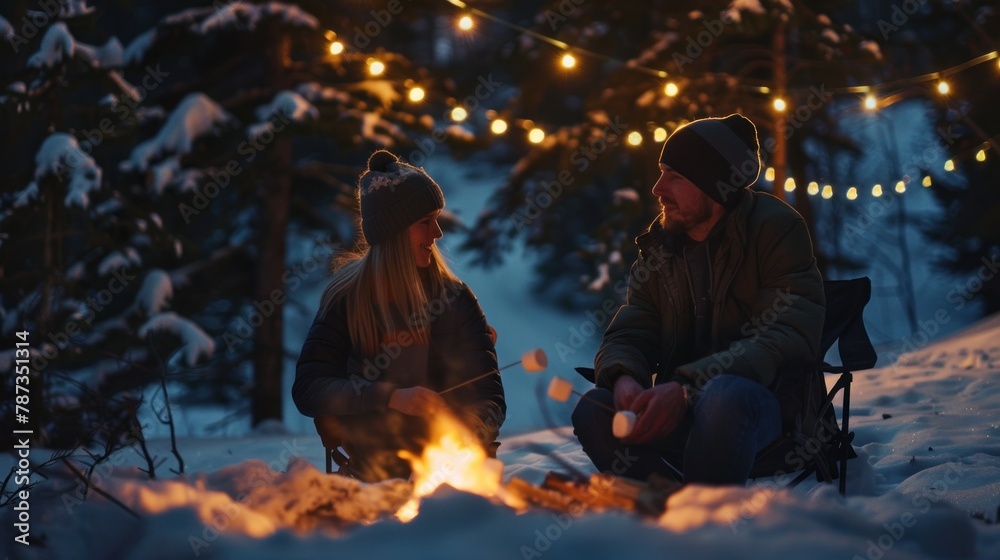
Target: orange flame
column 455, row 457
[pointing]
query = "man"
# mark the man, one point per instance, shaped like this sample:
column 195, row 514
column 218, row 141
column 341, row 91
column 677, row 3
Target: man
column 724, row 297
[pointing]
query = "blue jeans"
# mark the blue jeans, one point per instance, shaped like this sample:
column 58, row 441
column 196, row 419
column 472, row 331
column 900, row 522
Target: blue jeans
column 716, row 443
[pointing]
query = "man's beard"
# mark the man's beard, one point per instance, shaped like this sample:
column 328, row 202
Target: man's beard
column 672, row 222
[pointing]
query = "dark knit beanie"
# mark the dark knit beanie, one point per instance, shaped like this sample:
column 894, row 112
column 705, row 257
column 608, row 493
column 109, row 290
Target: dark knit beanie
column 394, row 195
column 720, row 156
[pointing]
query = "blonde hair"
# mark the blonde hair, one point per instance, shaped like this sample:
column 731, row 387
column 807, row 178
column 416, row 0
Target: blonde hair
column 383, row 292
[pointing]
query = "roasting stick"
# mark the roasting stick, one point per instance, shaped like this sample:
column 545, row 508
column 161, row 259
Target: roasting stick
column 533, row 360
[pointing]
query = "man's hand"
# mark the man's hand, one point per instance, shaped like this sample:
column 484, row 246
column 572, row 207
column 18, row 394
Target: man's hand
column 625, row 391
column 659, row 411
column 416, row 401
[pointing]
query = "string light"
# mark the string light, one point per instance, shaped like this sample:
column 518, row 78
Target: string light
column 336, row 48
column 568, row 60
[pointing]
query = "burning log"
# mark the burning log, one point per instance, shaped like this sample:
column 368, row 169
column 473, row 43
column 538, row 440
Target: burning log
column 601, row 492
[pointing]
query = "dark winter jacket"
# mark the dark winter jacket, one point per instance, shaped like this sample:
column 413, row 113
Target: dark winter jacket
column 766, row 294
column 332, row 378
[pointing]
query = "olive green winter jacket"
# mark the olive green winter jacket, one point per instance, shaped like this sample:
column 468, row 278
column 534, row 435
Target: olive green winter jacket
column 767, row 301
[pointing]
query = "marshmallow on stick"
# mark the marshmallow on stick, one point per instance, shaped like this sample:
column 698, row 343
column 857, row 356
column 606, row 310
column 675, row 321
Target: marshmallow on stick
column 623, row 422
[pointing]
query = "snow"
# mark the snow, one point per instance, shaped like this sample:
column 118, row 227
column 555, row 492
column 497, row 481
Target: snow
column 733, row 13
column 245, row 15
column 7, row 30
column 117, row 260
column 195, row 116
column 194, row 342
column 316, row 92
column 61, row 154
column 135, row 52
column 872, row 47
column 831, row 36
column 155, row 292
column 57, row 43
column 286, row 105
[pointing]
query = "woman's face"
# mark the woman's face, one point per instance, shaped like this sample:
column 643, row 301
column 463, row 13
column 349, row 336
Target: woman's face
column 422, row 236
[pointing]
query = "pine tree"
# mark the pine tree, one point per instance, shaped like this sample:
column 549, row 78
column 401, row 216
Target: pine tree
column 181, row 162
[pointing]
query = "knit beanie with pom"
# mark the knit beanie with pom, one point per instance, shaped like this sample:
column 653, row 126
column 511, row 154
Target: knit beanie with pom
column 394, row 195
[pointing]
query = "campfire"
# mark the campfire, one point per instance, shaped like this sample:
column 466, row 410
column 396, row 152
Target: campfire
column 454, row 457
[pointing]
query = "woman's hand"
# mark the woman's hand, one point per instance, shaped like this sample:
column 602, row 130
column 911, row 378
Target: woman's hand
column 416, row 401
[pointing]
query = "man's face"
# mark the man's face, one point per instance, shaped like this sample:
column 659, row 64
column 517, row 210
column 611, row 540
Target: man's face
column 685, row 206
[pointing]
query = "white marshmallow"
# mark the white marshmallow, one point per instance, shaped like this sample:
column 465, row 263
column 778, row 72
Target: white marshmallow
column 560, row 389
column 623, row 423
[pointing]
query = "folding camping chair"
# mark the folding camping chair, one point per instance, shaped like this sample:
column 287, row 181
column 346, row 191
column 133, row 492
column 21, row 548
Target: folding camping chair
column 812, row 437
column 812, row 450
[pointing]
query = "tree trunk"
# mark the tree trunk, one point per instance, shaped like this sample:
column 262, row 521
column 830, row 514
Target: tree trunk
column 274, row 189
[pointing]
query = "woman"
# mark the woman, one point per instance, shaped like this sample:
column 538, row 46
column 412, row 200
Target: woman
column 396, row 326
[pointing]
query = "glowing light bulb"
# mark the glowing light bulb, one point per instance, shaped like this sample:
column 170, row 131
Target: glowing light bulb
column 852, row 193
column 789, row 185
column 813, row 188
column 498, row 126
column 769, row 174
column 536, row 135
column 870, row 102
column 949, row 165
column 927, row 181
column 416, row 94
column 465, row 23
column 336, row 48
column 877, row 191
column 779, row 104
column 901, row 187
column 459, row 114
column 671, row 89
column 943, row 87
column 634, row 138
column 375, row 68
column 660, row 134
column 827, row 192
column 981, row 155
column 568, row 61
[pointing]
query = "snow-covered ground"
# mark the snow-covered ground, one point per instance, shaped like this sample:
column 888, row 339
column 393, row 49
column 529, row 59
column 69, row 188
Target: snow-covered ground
column 928, row 467
column 926, row 483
